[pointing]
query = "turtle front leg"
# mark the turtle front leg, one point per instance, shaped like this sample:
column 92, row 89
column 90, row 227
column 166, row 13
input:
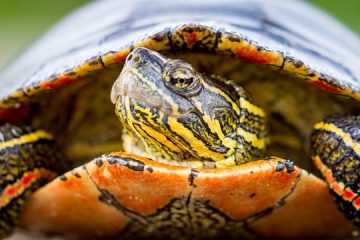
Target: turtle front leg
column 336, row 153
column 26, row 160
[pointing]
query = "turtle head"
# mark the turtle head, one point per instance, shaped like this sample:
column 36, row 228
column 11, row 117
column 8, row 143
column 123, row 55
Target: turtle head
column 183, row 117
column 157, row 83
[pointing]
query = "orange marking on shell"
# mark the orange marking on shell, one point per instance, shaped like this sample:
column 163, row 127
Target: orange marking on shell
column 142, row 191
column 328, row 176
column 250, row 55
column 14, row 115
column 229, row 189
column 324, row 170
column 121, row 57
column 62, row 81
column 338, row 188
column 348, row 194
column 325, row 86
column 319, row 165
column 191, row 38
column 17, row 188
column 356, row 203
column 69, row 183
column 11, row 191
column 27, row 179
column 22, row 184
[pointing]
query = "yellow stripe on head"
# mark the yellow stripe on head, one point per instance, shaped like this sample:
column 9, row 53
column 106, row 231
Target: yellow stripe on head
column 252, row 138
column 218, row 91
column 178, row 113
column 196, row 144
column 251, row 108
column 166, row 98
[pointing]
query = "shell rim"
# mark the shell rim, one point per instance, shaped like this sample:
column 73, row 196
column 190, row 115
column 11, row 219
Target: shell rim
column 193, row 37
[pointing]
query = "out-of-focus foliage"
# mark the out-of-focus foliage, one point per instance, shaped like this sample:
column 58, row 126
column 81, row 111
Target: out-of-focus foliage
column 22, row 21
column 347, row 11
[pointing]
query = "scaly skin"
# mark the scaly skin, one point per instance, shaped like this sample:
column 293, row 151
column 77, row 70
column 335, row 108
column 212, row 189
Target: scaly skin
column 184, row 118
column 336, row 144
column 227, row 131
column 27, row 161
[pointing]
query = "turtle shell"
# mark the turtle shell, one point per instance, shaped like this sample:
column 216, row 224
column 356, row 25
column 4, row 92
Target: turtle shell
column 294, row 37
column 109, row 192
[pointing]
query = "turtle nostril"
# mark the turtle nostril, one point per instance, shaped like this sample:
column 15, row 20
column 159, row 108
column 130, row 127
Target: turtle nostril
column 133, row 58
column 136, row 59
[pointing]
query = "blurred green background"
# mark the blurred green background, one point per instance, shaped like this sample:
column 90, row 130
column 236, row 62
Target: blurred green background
column 22, row 21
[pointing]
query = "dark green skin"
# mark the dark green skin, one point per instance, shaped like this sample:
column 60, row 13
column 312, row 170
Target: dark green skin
column 342, row 160
column 171, row 97
column 15, row 162
column 347, row 124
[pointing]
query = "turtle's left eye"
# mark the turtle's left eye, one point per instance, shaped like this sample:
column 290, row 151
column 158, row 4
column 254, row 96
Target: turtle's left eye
column 181, row 82
column 181, row 79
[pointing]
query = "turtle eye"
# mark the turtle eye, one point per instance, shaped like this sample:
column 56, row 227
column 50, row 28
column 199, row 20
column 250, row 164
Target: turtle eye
column 181, row 82
column 181, row 78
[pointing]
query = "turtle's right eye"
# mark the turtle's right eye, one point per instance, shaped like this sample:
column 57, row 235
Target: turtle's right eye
column 181, row 78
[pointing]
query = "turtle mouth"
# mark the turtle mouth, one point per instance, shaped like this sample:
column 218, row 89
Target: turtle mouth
column 118, row 90
column 154, row 105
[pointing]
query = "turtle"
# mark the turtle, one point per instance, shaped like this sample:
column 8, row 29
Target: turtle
column 219, row 109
